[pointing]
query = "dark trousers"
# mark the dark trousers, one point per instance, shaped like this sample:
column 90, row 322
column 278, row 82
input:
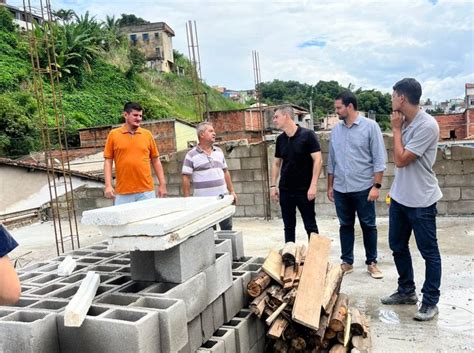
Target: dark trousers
column 226, row 224
column 347, row 204
column 289, row 201
column 422, row 220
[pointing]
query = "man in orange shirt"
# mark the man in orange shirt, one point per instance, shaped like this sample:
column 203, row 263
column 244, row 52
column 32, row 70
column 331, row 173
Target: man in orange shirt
column 132, row 148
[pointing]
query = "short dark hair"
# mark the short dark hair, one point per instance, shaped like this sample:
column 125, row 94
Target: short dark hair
column 347, row 97
column 129, row 106
column 410, row 88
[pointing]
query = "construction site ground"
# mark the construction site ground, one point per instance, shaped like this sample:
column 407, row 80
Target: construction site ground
column 392, row 327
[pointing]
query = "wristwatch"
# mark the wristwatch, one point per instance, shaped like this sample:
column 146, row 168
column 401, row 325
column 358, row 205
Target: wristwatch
column 377, row 185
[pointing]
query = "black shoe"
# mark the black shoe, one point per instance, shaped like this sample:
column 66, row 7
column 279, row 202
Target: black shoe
column 399, row 298
column 426, row 312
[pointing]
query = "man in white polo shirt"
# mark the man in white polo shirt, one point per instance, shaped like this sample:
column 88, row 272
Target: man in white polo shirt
column 206, row 168
column 414, row 195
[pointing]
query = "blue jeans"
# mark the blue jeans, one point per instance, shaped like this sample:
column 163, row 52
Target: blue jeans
column 347, row 204
column 128, row 198
column 289, row 201
column 422, row 221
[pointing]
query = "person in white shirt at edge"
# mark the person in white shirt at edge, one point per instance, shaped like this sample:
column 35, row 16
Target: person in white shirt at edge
column 206, row 167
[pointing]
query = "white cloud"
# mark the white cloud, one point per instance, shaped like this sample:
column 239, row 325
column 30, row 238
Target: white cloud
column 369, row 43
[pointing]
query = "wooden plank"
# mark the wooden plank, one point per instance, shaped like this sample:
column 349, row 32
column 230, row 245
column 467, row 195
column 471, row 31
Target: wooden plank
column 333, row 280
column 275, row 314
column 277, row 328
column 272, row 265
column 337, row 321
column 307, row 307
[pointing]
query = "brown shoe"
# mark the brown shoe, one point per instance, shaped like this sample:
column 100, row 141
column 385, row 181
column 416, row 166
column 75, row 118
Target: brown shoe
column 347, row 268
column 374, row 271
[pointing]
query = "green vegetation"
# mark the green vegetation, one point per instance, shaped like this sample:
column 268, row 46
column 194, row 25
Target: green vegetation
column 98, row 73
column 323, row 94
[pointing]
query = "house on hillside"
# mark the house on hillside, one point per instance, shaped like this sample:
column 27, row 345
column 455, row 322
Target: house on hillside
column 22, row 18
column 155, row 41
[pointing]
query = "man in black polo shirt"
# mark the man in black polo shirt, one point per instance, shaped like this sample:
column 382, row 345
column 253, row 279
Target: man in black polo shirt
column 298, row 162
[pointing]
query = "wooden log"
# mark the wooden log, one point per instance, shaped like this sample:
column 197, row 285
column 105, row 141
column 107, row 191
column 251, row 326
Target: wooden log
column 272, row 265
column 277, row 312
column 339, row 313
column 280, row 346
column 277, row 328
column 307, row 307
column 298, row 343
column 347, row 329
column 257, row 305
column 340, row 337
column 333, row 280
column 290, row 333
column 358, row 323
column 288, row 254
column 329, row 334
column 320, row 333
column 338, row 348
column 363, row 344
column 256, row 286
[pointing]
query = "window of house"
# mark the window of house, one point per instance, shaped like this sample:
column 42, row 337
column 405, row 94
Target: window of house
column 157, row 35
column 452, row 134
column 133, row 39
column 146, row 37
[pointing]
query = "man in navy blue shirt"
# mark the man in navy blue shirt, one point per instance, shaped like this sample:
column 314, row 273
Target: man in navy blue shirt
column 10, row 289
column 298, row 162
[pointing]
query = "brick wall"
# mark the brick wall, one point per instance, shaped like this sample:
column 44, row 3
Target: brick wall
column 236, row 125
column 162, row 130
column 462, row 124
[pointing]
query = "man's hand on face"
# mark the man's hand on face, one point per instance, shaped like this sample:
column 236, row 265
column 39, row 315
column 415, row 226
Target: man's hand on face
column 396, row 120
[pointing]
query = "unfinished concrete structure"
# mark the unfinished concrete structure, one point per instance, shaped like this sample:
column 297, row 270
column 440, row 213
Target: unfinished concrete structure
column 155, row 41
column 183, row 308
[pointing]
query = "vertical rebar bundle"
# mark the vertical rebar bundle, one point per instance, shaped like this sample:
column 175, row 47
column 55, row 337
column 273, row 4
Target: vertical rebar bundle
column 264, row 162
column 52, row 121
column 200, row 98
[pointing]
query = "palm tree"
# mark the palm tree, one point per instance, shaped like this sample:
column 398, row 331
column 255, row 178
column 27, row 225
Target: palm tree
column 65, row 15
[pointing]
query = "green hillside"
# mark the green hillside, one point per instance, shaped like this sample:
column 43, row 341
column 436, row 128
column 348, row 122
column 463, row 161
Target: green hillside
column 98, row 74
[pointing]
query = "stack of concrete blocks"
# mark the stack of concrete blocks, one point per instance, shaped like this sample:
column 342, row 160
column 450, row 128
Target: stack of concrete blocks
column 187, row 298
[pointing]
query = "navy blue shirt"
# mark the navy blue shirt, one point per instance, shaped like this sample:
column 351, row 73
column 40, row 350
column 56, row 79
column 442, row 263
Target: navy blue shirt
column 7, row 243
column 297, row 163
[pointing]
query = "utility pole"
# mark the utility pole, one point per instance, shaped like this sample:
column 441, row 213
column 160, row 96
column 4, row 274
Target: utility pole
column 311, row 109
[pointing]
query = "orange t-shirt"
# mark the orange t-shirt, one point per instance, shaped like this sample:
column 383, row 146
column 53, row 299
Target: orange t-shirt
column 132, row 155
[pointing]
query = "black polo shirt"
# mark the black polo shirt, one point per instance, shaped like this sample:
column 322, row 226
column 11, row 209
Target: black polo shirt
column 297, row 165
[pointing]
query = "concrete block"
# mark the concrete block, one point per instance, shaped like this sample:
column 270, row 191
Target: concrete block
column 246, row 200
column 237, row 242
column 118, row 299
column 451, row 194
column 218, row 312
column 251, row 187
column 193, row 292
column 468, row 166
column 223, row 245
column 207, row 323
column 246, row 278
column 242, row 175
column 461, row 153
column 50, row 304
column 233, row 164
column 194, row 336
column 459, row 180
column 142, row 265
column 24, row 302
column 461, row 207
column 228, row 337
column 159, row 243
column 467, row 193
column 254, row 211
column 28, row 332
column 112, row 330
column 255, row 325
column 239, row 152
column 448, row 167
column 218, row 277
column 258, row 347
column 212, row 346
column 233, row 299
column 251, row 163
column 187, row 259
column 172, row 316
column 241, row 334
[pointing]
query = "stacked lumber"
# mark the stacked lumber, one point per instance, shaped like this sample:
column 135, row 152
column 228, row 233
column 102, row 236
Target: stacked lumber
column 297, row 294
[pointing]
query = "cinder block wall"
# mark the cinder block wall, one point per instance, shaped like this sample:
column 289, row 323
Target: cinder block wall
column 454, row 168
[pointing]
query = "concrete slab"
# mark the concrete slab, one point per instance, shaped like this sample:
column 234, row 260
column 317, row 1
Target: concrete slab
column 159, row 243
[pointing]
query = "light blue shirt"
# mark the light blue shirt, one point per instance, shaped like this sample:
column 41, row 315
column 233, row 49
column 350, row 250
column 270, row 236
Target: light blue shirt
column 355, row 154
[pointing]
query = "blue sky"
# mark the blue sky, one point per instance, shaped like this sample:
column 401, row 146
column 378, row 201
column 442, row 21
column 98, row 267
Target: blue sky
column 369, row 43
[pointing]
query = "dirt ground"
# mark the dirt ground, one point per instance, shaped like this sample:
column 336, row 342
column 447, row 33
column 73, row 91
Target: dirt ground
column 392, row 327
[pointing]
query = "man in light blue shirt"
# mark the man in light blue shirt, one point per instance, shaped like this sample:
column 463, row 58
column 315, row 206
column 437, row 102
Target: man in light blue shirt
column 355, row 168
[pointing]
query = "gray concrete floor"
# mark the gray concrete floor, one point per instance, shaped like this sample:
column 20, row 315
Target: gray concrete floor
column 392, row 327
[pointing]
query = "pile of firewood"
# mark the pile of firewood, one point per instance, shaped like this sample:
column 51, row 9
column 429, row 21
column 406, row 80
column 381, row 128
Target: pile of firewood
column 297, row 295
